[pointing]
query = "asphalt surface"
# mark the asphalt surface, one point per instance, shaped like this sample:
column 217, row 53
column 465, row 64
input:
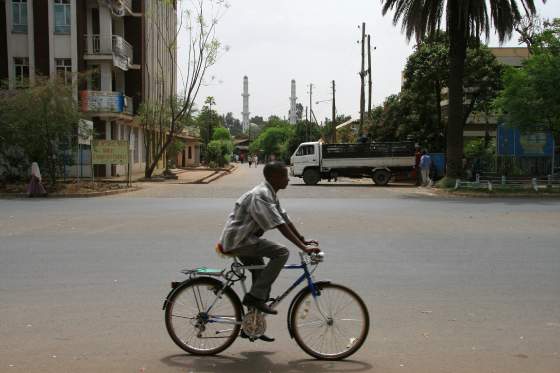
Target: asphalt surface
column 452, row 285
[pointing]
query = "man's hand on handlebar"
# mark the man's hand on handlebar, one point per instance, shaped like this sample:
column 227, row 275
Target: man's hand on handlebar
column 311, row 242
column 312, row 249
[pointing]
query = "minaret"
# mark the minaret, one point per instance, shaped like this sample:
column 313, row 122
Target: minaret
column 293, row 109
column 245, row 113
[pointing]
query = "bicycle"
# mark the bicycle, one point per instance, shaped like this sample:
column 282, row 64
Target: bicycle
column 204, row 315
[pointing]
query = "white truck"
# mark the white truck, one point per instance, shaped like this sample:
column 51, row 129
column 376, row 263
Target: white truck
column 380, row 161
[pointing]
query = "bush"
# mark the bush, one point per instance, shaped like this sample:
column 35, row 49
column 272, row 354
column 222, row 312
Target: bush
column 14, row 164
column 446, row 183
column 219, row 152
column 221, row 133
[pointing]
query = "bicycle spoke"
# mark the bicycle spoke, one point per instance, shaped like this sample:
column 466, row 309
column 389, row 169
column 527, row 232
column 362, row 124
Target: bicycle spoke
column 341, row 333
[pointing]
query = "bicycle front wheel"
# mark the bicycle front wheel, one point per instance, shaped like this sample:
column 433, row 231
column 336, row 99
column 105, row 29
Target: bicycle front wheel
column 198, row 321
column 332, row 326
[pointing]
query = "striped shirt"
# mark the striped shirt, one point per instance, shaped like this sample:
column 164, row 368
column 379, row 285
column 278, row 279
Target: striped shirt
column 254, row 213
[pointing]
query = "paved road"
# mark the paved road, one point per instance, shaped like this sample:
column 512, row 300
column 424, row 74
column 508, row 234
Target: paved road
column 452, row 285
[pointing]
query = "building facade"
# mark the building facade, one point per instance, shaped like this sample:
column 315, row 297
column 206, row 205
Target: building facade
column 114, row 52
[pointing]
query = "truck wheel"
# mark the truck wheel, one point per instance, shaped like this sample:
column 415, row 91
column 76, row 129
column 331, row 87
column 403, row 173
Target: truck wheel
column 381, row 177
column 311, row 176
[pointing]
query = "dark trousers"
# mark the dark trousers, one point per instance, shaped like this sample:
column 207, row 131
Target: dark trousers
column 262, row 279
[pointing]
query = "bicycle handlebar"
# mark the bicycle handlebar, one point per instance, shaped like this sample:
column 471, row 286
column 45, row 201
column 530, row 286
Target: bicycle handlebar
column 313, row 258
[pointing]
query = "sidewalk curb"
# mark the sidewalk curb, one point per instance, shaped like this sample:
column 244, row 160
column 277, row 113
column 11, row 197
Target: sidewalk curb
column 75, row 195
column 439, row 193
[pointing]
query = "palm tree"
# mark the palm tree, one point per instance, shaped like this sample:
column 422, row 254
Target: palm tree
column 465, row 20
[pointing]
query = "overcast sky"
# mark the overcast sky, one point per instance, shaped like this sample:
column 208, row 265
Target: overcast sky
column 311, row 41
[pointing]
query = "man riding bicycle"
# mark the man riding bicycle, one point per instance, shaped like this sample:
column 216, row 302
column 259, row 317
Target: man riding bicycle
column 254, row 213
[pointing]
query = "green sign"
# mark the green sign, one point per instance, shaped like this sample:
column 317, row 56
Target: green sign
column 109, row 152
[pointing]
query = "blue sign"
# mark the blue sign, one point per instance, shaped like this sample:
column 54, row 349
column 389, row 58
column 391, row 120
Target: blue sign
column 513, row 142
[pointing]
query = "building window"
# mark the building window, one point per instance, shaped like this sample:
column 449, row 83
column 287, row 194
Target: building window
column 19, row 15
column 62, row 16
column 64, row 69
column 21, row 66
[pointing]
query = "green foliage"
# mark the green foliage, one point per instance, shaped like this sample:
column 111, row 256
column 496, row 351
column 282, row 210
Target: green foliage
column 233, row 124
column 481, row 155
column 531, row 98
column 219, row 152
column 303, row 131
column 548, row 40
column 207, row 121
column 40, row 121
column 415, row 113
column 273, row 140
column 221, row 133
column 465, row 21
column 173, row 149
column 446, row 183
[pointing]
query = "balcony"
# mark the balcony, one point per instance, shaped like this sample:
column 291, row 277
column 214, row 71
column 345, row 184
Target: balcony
column 109, row 47
column 107, row 104
column 121, row 8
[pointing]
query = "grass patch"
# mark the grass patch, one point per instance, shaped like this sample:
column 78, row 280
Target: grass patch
column 445, row 183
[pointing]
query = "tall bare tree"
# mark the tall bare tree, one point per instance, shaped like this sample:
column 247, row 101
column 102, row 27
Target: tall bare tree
column 169, row 106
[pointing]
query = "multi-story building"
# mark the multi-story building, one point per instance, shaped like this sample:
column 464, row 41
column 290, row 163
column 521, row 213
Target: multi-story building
column 114, row 52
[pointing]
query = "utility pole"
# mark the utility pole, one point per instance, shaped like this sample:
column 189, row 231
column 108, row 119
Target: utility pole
column 369, row 73
column 333, row 132
column 308, row 130
column 362, row 76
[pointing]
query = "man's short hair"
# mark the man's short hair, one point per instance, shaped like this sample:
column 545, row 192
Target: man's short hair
column 274, row 167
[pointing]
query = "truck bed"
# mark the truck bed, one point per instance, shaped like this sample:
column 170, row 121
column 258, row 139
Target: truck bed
column 369, row 150
column 381, row 162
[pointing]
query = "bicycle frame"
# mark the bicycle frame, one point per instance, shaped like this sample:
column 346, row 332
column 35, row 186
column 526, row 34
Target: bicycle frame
column 238, row 270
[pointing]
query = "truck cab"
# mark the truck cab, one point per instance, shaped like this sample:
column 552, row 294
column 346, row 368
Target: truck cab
column 306, row 155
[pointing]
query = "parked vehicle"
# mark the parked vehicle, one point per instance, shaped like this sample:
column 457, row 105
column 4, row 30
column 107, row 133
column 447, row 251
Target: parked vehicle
column 380, row 161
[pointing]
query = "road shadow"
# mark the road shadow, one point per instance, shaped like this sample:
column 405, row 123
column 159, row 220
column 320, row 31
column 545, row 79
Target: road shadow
column 353, row 185
column 260, row 361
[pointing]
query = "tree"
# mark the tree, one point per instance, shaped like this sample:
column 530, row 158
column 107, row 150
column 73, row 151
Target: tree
column 207, row 121
column 426, row 73
column 220, row 148
column 299, row 111
column 210, row 101
column 415, row 113
column 464, row 21
column 165, row 111
column 221, row 133
column 531, row 98
column 233, row 124
column 259, row 121
column 273, row 140
column 40, row 124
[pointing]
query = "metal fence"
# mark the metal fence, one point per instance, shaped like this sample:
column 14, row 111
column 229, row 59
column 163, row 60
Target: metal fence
column 510, row 183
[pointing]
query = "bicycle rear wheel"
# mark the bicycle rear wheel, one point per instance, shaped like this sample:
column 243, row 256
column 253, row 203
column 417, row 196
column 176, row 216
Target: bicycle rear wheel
column 336, row 329
column 197, row 328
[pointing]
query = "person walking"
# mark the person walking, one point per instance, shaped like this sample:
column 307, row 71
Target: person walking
column 255, row 160
column 250, row 160
column 425, row 166
column 35, row 187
